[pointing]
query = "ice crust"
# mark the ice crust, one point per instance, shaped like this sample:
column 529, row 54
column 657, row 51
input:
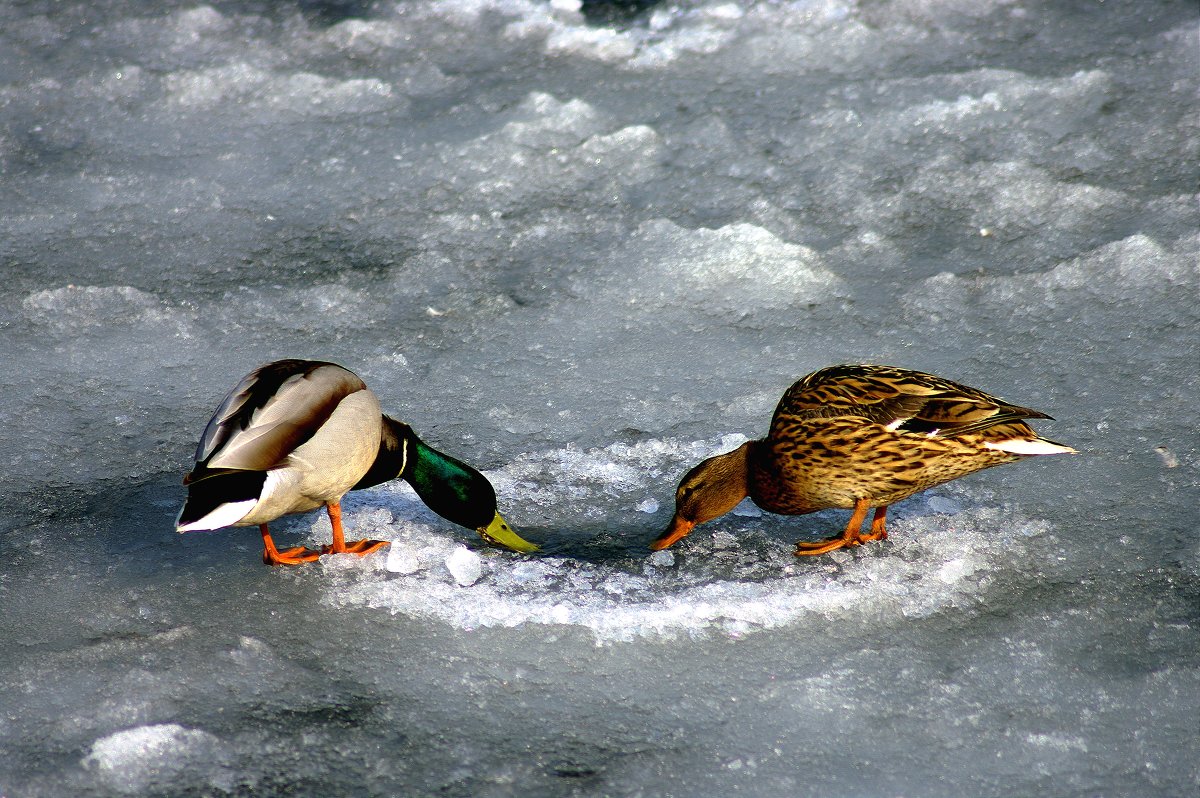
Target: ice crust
column 583, row 249
column 730, row 578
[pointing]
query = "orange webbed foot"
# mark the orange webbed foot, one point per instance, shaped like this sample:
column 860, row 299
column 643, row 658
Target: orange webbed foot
column 851, row 536
column 339, row 545
column 359, row 547
column 807, row 549
column 294, row 556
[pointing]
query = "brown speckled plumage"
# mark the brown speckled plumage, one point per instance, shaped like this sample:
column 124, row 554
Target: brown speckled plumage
column 857, row 437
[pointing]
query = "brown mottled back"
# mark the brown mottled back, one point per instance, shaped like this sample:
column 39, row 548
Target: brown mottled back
column 910, row 401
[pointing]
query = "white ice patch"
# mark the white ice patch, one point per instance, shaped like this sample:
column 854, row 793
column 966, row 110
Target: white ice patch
column 553, row 148
column 1117, row 273
column 136, row 760
column 601, row 44
column 732, row 577
column 542, row 121
column 671, row 33
column 465, row 566
column 647, row 506
column 736, row 268
column 301, row 309
column 83, row 307
column 747, row 509
column 249, row 88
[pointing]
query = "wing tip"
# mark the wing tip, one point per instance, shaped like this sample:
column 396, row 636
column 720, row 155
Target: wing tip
column 223, row 515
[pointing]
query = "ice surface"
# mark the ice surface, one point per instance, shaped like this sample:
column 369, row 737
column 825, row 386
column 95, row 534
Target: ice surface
column 584, row 247
column 732, row 578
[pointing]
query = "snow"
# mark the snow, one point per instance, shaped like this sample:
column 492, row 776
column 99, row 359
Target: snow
column 137, row 760
column 584, row 248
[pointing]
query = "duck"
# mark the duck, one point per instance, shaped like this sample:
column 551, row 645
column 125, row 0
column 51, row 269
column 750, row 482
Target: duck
column 858, row 437
column 296, row 435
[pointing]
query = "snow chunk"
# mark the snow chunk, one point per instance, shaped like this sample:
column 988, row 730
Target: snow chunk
column 1115, row 274
column 550, row 148
column 737, row 267
column 361, row 37
column 157, row 757
column 662, row 559
column 747, row 509
column 647, row 506
column 602, row 44
column 415, row 547
column 1057, row 741
column 543, row 121
column 465, row 566
column 955, row 570
column 402, row 559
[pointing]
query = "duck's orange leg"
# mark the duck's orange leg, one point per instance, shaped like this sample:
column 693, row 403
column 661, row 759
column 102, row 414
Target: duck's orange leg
column 295, row 556
column 878, row 526
column 852, row 535
column 340, row 546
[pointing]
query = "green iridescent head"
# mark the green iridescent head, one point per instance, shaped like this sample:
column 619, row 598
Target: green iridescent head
column 458, row 493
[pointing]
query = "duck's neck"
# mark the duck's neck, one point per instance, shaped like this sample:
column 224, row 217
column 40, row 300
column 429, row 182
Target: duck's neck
column 393, row 455
column 730, row 476
column 715, row 486
column 767, row 487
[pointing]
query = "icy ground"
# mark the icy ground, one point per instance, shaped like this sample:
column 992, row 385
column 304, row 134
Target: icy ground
column 585, row 249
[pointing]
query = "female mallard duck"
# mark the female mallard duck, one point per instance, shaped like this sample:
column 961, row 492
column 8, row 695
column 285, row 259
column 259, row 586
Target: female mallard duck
column 294, row 435
column 856, row 437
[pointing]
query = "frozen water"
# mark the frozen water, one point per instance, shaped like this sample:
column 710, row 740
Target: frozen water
column 736, row 579
column 584, row 247
column 148, row 758
column 465, row 566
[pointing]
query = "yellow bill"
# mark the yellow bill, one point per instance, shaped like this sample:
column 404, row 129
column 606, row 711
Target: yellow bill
column 501, row 534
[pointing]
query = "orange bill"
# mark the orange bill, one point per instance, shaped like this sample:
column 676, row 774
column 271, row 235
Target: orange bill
column 677, row 531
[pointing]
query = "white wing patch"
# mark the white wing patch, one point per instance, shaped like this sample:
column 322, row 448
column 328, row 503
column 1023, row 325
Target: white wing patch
column 225, row 515
column 1036, row 446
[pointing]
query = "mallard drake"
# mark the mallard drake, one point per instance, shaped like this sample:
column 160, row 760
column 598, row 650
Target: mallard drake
column 295, row 435
column 858, row 437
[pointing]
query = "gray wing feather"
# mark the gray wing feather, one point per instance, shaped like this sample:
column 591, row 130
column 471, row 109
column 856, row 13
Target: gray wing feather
column 271, row 412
